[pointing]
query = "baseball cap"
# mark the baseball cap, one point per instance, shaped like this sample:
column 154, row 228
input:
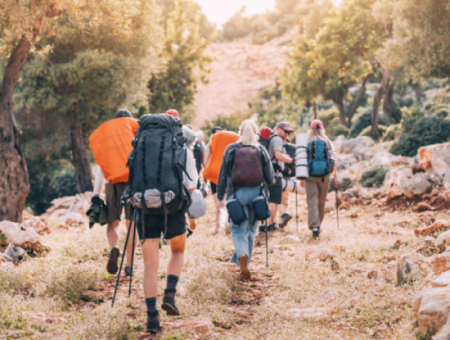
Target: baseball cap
column 123, row 113
column 285, row 126
column 316, row 124
column 173, row 113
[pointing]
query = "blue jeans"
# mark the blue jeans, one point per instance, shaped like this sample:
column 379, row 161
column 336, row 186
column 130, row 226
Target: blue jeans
column 243, row 236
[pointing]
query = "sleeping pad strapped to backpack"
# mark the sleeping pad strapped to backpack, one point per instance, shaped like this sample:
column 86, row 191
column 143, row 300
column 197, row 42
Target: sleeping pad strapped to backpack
column 157, row 166
column 319, row 162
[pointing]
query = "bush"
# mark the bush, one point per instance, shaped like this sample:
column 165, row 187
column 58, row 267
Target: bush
column 339, row 130
column 363, row 120
column 329, row 118
column 374, row 176
column 228, row 123
column 367, row 132
column 392, row 133
column 421, row 132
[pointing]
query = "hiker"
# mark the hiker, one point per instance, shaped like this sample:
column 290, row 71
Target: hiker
column 213, row 161
column 162, row 201
column 318, row 183
column 245, row 175
column 111, row 144
column 279, row 159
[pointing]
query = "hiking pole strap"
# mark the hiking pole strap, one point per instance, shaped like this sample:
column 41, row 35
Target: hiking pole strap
column 120, row 269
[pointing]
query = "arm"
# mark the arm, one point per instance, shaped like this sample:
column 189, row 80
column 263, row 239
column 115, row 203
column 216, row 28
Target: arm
column 207, row 154
column 191, row 184
column 99, row 181
column 282, row 157
column 223, row 177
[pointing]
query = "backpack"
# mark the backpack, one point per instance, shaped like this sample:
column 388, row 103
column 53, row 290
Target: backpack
column 198, row 155
column 157, row 165
column 247, row 167
column 289, row 168
column 319, row 162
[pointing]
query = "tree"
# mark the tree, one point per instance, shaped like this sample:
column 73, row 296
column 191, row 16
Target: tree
column 20, row 27
column 340, row 56
column 183, row 62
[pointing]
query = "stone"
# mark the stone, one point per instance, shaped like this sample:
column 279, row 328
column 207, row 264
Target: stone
column 345, row 206
column 74, row 219
column 307, row 313
column 418, row 185
column 46, row 317
column 372, row 274
column 435, row 158
column 382, row 158
column 411, row 267
column 37, row 223
column 446, row 180
column 442, row 281
column 433, row 308
column 441, row 263
column 349, row 145
column 429, row 239
column 363, row 153
column 20, row 236
column 382, row 332
column 396, row 181
column 427, row 217
column 443, row 240
column 436, row 226
column 443, row 333
column 202, row 326
column 314, row 253
column 14, row 254
column 422, row 206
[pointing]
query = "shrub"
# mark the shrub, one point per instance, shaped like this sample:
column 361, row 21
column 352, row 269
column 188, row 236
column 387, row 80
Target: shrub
column 329, row 118
column 392, row 133
column 229, row 123
column 421, row 132
column 339, row 130
column 367, row 132
column 363, row 120
column 374, row 176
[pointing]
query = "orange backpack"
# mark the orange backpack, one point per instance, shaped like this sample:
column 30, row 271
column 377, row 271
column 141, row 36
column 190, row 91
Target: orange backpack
column 111, row 145
column 219, row 142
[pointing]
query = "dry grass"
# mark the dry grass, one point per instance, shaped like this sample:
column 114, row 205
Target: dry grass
column 353, row 305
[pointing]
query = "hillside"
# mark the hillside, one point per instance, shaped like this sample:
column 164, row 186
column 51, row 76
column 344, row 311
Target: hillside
column 238, row 71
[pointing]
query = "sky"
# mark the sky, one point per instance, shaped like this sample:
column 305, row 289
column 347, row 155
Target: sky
column 219, row 11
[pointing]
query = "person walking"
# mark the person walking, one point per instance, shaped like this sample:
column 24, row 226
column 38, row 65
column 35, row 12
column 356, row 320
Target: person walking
column 213, row 157
column 256, row 165
column 279, row 158
column 111, row 144
column 317, row 186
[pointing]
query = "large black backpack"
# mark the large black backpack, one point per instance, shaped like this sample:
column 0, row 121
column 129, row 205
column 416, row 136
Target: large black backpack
column 158, row 161
column 198, row 155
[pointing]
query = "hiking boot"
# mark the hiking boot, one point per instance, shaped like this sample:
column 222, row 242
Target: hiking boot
column 112, row 266
column 270, row 228
column 245, row 272
column 286, row 218
column 128, row 271
column 153, row 324
column 316, row 233
column 169, row 303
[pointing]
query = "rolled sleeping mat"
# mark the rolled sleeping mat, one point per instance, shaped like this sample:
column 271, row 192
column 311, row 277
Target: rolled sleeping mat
column 291, row 185
column 301, row 156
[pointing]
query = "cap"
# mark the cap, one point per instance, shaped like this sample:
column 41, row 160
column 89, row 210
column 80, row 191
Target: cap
column 316, row 124
column 200, row 136
column 286, row 126
column 265, row 132
column 123, row 113
column 173, row 113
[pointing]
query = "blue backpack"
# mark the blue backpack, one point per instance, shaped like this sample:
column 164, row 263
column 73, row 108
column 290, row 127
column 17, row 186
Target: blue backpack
column 319, row 162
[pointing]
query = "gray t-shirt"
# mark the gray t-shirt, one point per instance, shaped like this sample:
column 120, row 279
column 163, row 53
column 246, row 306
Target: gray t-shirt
column 276, row 144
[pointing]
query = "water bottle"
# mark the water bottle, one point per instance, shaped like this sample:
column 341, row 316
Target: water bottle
column 223, row 217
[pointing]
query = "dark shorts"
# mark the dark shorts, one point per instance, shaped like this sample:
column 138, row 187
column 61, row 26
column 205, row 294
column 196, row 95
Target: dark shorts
column 213, row 188
column 113, row 202
column 155, row 226
column 276, row 191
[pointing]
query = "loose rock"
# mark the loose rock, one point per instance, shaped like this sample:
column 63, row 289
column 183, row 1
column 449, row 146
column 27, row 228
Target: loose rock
column 20, row 236
column 314, row 253
column 410, row 268
column 436, row 226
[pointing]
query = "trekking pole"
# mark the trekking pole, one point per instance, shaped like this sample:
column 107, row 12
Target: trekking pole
column 121, row 264
column 132, row 225
column 296, row 210
column 336, row 192
column 267, row 246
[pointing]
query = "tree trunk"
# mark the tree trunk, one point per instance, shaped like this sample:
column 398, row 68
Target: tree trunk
column 389, row 107
column 14, row 183
column 315, row 110
column 419, row 94
column 358, row 99
column 341, row 108
column 376, row 103
column 80, row 160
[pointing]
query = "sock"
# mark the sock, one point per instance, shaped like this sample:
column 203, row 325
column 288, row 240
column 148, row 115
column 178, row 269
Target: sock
column 172, row 281
column 151, row 305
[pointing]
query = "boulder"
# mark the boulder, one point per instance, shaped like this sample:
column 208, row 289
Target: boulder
column 435, row 158
column 27, row 238
column 443, row 241
column 382, row 158
column 422, row 207
column 37, row 223
column 441, row 281
column 402, row 161
column 441, row 263
column 443, row 333
column 344, row 181
column 419, row 184
column 349, row 145
column 363, row 153
column 202, row 326
column 382, row 332
column 314, row 253
column 74, row 219
column 411, row 267
column 345, row 161
column 14, row 254
column 446, row 181
column 436, row 226
column 433, row 308
column 396, row 181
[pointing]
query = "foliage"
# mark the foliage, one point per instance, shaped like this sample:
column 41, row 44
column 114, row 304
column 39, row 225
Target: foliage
column 439, row 103
column 228, row 123
column 329, row 118
column 392, row 133
column 363, row 120
column 339, row 130
column 183, row 65
column 421, row 132
column 382, row 129
column 374, row 176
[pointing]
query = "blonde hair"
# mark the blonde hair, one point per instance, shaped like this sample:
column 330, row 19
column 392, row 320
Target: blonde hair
column 248, row 132
column 320, row 134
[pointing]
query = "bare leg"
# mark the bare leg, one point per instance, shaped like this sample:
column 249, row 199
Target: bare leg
column 218, row 206
column 130, row 243
column 112, row 233
column 281, row 209
column 150, row 254
column 177, row 245
column 273, row 207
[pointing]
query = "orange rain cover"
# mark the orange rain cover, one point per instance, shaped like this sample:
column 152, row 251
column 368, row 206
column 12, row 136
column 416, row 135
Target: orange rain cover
column 111, row 145
column 219, row 142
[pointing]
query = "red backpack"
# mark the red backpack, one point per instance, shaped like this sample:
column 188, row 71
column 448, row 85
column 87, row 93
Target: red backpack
column 247, row 167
